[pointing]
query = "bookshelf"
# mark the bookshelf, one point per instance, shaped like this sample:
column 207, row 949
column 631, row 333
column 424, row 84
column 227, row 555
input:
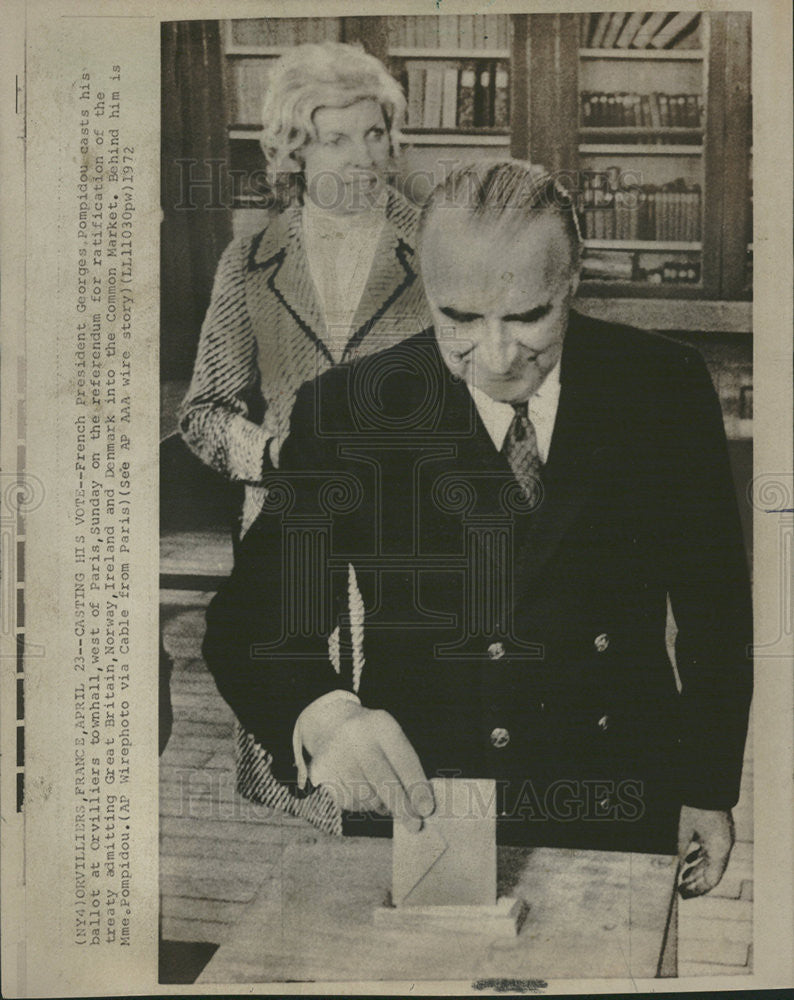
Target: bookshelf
column 653, row 131
column 665, row 116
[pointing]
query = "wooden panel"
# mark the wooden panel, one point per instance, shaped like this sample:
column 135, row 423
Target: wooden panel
column 738, row 135
column 553, row 88
column 715, row 156
column 194, row 172
column 671, row 314
column 519, row 89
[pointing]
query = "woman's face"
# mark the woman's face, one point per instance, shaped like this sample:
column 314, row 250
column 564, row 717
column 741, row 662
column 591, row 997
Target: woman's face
column 344, row 166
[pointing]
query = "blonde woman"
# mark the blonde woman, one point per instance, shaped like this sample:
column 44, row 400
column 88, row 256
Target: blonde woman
column 332, row 277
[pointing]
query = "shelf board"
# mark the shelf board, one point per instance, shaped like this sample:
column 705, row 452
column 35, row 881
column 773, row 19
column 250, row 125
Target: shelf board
column 618, row 286
column 682, row 55
column 638, row 149
column 257, row 50
column 662, row 246
column 440, row 137
column 409, row 53
column 669, row 312
column 248, row 132
column 595, row 130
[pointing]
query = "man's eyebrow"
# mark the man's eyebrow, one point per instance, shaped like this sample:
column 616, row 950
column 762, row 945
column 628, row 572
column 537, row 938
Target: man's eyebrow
column 530, row 316
column 458, row 316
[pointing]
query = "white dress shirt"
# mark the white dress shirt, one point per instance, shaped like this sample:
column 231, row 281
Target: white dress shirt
column 340, row 250
column 542, row 409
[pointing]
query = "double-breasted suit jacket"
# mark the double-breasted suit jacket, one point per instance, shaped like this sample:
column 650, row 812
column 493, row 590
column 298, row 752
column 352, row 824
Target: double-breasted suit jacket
column 265, row 334
column 520, row 641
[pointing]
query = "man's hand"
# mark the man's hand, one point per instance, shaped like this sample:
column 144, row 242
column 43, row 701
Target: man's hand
column 705, row 839
column 364, row 759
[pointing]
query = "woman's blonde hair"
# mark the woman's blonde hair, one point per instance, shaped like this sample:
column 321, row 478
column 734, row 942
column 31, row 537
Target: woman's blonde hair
column 323, row 75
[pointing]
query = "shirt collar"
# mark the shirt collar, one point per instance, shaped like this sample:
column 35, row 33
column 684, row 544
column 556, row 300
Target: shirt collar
column 497, row 416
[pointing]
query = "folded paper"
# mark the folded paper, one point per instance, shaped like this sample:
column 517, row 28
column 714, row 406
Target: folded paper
column 452, row 860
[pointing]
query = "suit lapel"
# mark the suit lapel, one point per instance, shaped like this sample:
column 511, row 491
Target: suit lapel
column 391, row 273
column 291, row 280
column 579, row 454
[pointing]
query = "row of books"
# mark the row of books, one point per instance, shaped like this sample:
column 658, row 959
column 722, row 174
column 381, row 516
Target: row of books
column 450, row 31
column 656, row 110
column 641, row 30
column 468, row 94
column 672, row 212
column 627, row 266
column 272, row 32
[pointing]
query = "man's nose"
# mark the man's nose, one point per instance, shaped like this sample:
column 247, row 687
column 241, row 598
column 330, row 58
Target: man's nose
column 497, row 349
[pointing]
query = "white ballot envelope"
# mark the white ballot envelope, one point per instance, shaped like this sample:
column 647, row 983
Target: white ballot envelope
column 452, row 860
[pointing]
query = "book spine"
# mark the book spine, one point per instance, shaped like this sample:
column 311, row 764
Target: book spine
column 449, row 107
column 503, row 31
column 664, row 110
column 466, row 31
column 675, row 29
column 430, row 31
column 692, row 118
column 483, row 95
column 396, row 32
column 448, row 31
column 479, row 31
column 491, row 31
column 586, row 110
column 466, row 92
column 501, row 105
column 603, row 117
column 630, row 29
column 649, row 28
column 416, row 95
column 615, row 24
column 434, row 84
column 602, row 24
column 612, row 110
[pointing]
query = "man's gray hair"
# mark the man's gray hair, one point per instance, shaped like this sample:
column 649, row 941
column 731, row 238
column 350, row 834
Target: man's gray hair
column 509, row 190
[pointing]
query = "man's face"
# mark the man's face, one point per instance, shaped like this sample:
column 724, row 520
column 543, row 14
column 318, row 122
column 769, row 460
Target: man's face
column 500, row 296
column 344, row 166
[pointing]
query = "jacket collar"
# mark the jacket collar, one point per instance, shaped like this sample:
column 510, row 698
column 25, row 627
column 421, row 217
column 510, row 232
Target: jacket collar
column 280, row 251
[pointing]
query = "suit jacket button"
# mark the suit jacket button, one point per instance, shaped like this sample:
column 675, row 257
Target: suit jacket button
column 601, row 642
column 603, row 723
column 499, row 738
column 496, row 651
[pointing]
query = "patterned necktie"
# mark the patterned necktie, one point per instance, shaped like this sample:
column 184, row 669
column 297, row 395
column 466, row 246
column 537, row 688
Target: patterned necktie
column 521, row 451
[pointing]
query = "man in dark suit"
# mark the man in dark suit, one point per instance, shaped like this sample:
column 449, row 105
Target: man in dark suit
column 499, row 514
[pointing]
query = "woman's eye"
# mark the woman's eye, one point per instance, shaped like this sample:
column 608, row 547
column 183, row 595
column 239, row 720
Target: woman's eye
column 377, row 133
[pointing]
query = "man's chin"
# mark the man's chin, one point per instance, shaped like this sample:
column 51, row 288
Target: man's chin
column 512, row 391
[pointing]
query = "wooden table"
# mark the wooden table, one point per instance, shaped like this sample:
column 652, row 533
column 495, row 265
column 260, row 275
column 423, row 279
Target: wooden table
column 592, row 914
